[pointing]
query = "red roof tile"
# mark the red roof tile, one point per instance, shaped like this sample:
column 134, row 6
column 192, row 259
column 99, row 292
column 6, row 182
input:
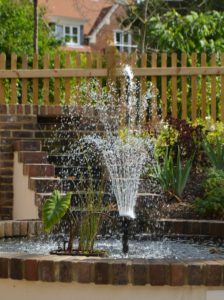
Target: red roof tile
column 88, row 10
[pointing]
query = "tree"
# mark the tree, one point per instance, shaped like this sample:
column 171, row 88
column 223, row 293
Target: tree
column 194, row 32
column 141, row 16
column 17, row 28
column 138, row 17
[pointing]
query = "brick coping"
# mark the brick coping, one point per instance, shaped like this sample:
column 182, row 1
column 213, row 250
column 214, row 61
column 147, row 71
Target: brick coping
column 155, row 272
column 50, row 268
column 212, row 228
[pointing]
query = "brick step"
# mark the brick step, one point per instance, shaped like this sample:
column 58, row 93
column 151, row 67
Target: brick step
column 71, row 160
column 68, row 171
column 32, row 157
column 143, row 199
column 37, row 170
column 46, row 185
column 27, row 145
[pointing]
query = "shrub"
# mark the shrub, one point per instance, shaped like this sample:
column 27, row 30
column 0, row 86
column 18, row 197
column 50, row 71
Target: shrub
column 212, row 204
column 179, row 134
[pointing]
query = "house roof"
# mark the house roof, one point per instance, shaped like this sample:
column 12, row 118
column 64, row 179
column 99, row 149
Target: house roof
column 90, row 11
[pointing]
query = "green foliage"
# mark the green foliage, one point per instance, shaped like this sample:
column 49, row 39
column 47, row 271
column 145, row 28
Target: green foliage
column 215, row 153
column 167, row 137
column 176, row 133
column 54, row 209
column 172, row 177
column 16, row 23
column 92, row 211
column 212, row 204
column 194, row 32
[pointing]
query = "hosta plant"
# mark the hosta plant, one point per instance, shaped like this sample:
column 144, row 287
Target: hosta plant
column 82, row 219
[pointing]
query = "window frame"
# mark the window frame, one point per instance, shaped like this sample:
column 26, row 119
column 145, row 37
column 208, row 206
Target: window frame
column 122, row 45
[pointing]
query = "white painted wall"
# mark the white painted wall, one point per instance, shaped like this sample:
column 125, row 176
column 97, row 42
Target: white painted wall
column 24, row 199
column 21, row 290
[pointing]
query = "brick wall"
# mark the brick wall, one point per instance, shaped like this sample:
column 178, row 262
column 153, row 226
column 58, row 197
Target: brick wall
column 105, row 36
column 16, row 122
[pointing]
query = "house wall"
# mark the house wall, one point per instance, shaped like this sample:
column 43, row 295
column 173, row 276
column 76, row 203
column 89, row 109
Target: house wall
column 105, row 36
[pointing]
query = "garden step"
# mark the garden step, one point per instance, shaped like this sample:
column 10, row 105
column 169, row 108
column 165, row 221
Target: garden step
column 27, row 145
column 44, row 185
column 32, row 157
column 36, row 170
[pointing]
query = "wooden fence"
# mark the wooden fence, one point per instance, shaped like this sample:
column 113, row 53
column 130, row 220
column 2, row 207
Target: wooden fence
column 185, row 87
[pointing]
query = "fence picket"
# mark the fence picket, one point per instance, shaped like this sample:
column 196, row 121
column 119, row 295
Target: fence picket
column 46, row 81
column 67, row 80
column 78, row 80
column 184, row 88
column 57, row 81
column 2, row 86
column 143, row 82
column 164, row 87
column 213, row 89
column 203, row 87
column 174, row 86
column 13, row 81
column 154, row 89
column 222, row 91
column 24, row 80
column 194, row 89
column 35, row 80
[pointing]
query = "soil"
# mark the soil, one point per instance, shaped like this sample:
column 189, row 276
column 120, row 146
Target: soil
column 183, row 208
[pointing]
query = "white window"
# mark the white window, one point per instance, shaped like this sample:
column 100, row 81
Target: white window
column 123, row 41
column 72, row 35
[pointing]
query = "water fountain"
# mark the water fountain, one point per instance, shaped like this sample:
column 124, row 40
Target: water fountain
column 123, row 147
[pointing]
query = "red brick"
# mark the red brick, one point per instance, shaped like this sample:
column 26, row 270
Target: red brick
column 31, row 269
column 101, row 274
column 23, row 228
column 2, row 229
column 119, row 273
column 32, row 157
column 16, row 228
column 16, row 268
column 12, row 109
column 159, row 273
column 178, row 273
column 84, row 270
column 6, row 156
column 4, row 266
column 195, row 274
column 8, row 229
column 213, row 274
column 19, row 109
column 47, row 270
column 22, row 134
column 139, row 273
column 32, row 228
column 39, row 170
column 27, row 145
column 65, row 271
column 27, row 109
column 3, row 109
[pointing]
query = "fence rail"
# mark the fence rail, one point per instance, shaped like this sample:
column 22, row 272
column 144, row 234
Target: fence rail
column 187, row 87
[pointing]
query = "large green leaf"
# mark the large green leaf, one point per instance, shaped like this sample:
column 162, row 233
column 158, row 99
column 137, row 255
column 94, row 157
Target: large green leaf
column 54, row 209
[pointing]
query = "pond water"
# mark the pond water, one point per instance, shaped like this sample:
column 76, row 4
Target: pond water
column 165, row 248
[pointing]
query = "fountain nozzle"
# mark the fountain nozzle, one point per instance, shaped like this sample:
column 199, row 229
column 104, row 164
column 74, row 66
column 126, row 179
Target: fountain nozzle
column 125, row 236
